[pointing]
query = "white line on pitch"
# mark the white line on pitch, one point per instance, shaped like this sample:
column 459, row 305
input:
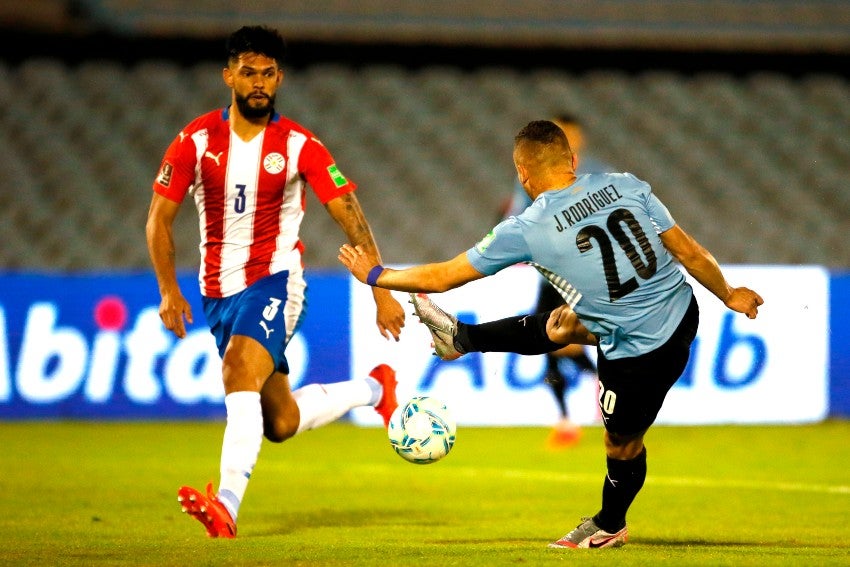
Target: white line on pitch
column 676, row 481
column 587, row 478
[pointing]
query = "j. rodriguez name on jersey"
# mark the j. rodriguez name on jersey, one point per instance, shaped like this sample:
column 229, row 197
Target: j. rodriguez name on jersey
column 585, row 207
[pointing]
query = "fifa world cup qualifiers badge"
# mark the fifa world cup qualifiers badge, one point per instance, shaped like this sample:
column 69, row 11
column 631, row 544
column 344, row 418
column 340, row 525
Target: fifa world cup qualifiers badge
column 482, row 244
column 164, row 177
column 336, row 176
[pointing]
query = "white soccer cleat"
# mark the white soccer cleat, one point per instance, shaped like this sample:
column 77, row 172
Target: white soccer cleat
column 442, row 326
column 587, row 535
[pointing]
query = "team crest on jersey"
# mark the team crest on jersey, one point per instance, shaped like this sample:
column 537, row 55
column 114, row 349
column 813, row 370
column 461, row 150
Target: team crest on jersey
column 165, row 172
column 274, row 163
column 336, row 175
column 485, row 242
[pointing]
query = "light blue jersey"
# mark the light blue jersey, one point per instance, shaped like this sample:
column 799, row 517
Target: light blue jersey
column 597, row 241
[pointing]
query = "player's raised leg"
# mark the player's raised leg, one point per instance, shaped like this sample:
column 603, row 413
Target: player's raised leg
column 316, row 405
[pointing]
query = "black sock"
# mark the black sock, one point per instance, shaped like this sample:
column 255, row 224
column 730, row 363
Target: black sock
column 622, row 484
column 525, row 334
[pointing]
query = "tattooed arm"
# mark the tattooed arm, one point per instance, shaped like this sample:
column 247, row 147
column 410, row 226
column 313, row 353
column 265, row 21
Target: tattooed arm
column 348, row 214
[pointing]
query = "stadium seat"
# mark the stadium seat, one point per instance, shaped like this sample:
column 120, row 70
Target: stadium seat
column 430, row 149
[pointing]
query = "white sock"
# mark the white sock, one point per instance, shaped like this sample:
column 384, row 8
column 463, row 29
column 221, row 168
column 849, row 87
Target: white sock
column 321, row 404
column 243, row 437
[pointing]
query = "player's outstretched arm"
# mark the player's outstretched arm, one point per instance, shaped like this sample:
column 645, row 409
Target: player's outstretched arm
column 426, row 278
column 348, row 214
column 701, row 264
column 173, row 308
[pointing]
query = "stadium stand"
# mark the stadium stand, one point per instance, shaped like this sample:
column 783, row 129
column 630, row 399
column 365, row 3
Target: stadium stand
column 754, row 164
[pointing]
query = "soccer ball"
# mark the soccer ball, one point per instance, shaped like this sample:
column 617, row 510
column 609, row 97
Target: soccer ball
column 422, row 430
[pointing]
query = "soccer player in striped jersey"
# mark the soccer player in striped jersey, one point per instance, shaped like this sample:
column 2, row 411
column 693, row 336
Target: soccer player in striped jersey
column 247, row 169
column 609, row 246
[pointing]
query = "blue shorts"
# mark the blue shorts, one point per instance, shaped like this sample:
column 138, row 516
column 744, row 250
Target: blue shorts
column 269, row 311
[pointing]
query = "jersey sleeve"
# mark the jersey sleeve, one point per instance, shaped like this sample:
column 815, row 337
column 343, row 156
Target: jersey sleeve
column 661, row 218
column 503, row 246
column 319, row 170
column 177, row 170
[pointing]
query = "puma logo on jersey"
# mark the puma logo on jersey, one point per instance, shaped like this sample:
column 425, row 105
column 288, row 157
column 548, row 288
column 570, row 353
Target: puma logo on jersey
column 182, row 135
column 266, row 329
column 214, row 157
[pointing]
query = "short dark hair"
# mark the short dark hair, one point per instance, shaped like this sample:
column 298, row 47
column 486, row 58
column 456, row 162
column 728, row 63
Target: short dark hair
column 542, row 132
column 256, row 39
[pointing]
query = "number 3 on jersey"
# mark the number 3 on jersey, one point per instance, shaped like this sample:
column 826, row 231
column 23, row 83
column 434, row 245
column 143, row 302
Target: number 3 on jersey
column 239, row 201
column 616, row 220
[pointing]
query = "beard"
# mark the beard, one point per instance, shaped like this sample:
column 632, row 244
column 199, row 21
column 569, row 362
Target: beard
column 250, row 111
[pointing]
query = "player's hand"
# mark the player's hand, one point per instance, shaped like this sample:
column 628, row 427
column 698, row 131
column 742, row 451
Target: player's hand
column 357, row 261
column 563, row 327
column 173, row 309
column 744, row 300
column 390, row 317
column 391, row 314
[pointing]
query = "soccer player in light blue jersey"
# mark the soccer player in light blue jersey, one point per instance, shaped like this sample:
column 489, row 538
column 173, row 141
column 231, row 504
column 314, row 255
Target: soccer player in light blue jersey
column 610, row 247
column 565, row 366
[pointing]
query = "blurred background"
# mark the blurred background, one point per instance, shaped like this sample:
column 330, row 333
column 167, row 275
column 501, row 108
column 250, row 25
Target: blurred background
column 737, row 112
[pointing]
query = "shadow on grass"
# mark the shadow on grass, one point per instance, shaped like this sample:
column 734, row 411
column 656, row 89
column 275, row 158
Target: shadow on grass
column 488, row 541
column 293, row 522
column 660, row 542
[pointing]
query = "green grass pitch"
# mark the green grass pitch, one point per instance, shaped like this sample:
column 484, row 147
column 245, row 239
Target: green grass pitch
column 105, row 494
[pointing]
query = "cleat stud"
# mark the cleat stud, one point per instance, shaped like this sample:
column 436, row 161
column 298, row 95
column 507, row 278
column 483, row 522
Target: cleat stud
column 184, row 509
column 203, row 509
column 192, row 498
column 180, row 499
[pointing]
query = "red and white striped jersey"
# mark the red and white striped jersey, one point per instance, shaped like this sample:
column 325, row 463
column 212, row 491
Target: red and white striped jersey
column 250, row 195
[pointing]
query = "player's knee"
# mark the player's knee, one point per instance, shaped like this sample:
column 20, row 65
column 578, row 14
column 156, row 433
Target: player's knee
column 623, row 447
column 244, row 367
column 236, row 379
column 280, row 428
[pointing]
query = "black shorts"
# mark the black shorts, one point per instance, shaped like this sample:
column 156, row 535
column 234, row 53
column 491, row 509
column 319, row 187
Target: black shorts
column 632, row 390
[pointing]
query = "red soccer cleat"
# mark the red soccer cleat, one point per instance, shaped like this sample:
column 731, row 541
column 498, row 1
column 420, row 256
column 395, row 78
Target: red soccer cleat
column 207, row 510
column 386, row 406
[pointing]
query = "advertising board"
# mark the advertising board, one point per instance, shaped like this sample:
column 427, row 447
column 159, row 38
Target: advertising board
column 92, row 346
column 769, row 370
